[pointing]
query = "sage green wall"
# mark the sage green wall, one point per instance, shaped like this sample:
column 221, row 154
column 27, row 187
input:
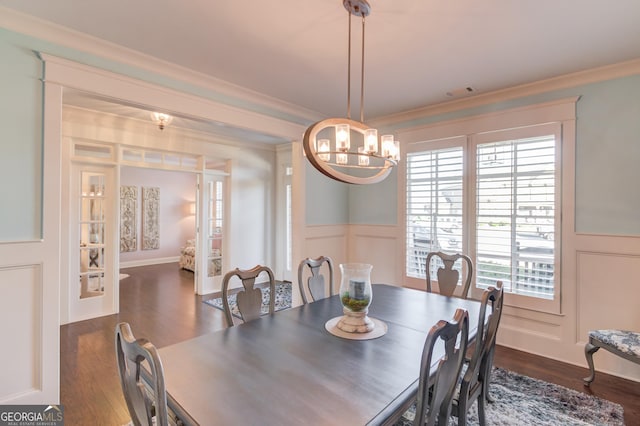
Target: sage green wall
column 21, row 105
column 375, row 204
column 326, row 201
column 607, row 158
column 607, row 150
column 21, row 97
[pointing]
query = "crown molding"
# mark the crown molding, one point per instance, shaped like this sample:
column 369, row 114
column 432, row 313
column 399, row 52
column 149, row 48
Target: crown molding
column 123, row 89
column 102, row 120
column 594, row 75
column 57, row 34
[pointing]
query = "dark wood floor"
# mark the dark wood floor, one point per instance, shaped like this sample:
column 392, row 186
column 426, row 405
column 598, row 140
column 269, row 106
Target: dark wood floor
column 159, row 303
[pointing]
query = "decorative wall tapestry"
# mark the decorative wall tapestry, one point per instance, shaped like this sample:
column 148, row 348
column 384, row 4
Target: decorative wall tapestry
column 150, row 212
column 128, row 228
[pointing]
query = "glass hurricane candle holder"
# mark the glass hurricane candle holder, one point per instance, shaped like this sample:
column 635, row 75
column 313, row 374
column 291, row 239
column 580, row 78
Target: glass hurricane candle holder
column 356, row 296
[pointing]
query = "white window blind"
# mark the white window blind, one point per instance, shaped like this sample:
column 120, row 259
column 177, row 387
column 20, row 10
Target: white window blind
column 515, row 215
column 434, row 205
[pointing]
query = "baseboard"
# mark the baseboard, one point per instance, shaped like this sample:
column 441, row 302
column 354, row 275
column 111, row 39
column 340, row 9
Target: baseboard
column 145, row 262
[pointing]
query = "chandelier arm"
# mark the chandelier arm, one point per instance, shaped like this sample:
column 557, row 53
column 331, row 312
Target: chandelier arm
column 362, row 76
column 309, row 146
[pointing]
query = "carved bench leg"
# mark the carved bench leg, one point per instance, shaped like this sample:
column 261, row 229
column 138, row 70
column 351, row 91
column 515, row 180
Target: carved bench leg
column 589, row 350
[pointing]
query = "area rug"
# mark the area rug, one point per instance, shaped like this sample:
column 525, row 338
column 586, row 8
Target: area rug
column 522, row 400
column 283, row 299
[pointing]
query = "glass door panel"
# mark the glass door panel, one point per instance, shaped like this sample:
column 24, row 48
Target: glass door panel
column 92, row 238
column 214, row 243
column 211, row 234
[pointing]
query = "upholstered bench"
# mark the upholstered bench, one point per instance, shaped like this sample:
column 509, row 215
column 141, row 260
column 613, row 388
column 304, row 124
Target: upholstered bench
column 625, row 344
column 188, row 256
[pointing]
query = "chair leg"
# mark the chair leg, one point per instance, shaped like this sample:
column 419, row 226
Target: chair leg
column 482, row 420
column 488, row 396
column 486, row 381
column 461, row 411
column 589, row 350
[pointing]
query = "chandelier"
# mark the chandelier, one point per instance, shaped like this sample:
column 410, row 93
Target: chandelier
column 332, row 153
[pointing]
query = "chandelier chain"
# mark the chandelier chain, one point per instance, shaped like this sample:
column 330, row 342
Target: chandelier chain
column 362, row 76
column 349, row 70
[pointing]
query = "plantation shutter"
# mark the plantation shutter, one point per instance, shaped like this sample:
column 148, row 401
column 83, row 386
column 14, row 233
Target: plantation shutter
column 516, row 215
column 434, row 205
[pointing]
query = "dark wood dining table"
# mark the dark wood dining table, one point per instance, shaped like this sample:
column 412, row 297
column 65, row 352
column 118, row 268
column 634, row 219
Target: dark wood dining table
column 287, row 369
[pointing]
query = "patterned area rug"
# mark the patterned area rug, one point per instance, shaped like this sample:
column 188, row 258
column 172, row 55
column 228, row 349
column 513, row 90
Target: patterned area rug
column 522, row 400
column 283, row 299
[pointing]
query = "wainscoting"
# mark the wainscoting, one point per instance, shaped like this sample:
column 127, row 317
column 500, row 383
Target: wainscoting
column 21, row 295
column 599, row 289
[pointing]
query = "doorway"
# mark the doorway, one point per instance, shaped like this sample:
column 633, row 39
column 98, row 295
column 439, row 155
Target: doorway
column 129, row 206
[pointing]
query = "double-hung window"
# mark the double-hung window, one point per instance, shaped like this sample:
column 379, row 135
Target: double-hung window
column 515, row 189
column 495, row 196
column 435, row 203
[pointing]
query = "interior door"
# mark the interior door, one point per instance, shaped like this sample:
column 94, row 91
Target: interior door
column 93, row 235
column 211, row 232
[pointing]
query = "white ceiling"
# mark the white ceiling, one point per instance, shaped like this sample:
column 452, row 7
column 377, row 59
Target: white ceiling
column 416, row 50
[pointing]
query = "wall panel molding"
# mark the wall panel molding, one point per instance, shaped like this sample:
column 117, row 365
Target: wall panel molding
column 594, row 266
column 21, row 302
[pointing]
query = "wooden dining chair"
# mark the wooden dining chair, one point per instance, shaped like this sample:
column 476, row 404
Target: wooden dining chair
column 448, row 277
column 147, row 404
column 435, row 392
column 249, row 298
column 474, row 384
column 315, row 284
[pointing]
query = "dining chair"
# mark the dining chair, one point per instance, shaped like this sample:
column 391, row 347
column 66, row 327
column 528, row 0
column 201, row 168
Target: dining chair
column 315, row 284
column 474, row 384
column 435, row 392
column 147, row 404
column 448, row 277
column 249, row 298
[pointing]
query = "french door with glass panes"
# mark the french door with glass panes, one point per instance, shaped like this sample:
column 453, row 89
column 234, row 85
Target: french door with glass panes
column 93, row 228
column 211, row 218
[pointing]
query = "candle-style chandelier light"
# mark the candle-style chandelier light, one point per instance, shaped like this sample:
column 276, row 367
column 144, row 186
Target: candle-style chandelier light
column 339, row 159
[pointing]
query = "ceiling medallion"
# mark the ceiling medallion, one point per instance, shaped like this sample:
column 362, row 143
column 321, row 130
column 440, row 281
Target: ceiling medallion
column 370, row 163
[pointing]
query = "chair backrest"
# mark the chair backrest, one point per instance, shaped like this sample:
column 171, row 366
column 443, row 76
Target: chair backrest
column 435, row 392
column 249, row 298
column 315, row 284
column 447, row 276
column 143, row 401
column 475, row 382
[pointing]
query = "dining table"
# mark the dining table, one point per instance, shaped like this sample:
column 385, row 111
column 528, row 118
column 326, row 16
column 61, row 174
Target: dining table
column 286, row 368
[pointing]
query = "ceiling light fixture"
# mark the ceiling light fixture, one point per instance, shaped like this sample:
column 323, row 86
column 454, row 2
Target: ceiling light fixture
column 370, row 163
column 161, row 119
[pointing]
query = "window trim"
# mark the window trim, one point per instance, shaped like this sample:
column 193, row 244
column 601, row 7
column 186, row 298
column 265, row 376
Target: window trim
column 562, row 113
column 555, row 128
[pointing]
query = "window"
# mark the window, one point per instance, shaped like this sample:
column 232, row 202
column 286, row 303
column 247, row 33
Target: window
column 434, row 205
column 495, row 196
column 515, row 214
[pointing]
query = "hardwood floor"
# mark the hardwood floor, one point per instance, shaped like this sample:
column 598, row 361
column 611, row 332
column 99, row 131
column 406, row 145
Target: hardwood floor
column 159, row 303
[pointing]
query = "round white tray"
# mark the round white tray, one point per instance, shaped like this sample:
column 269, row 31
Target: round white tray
column 379, row 330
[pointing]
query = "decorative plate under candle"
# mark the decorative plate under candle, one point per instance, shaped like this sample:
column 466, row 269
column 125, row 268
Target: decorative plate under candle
column 379, row 330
